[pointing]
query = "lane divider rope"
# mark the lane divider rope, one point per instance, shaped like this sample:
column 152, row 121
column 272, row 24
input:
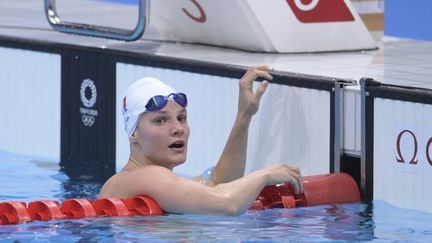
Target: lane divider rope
column 332, row 188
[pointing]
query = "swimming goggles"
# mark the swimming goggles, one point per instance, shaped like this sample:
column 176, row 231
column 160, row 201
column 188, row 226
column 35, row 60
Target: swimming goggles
column 159, row 101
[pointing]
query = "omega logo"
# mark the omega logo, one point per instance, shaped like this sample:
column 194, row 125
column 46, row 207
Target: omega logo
column 307, row 6
column 320, row 11
column 201, row 18
column 401, row 157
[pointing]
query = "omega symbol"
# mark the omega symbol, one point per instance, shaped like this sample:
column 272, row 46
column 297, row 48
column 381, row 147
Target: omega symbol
column 413, row 160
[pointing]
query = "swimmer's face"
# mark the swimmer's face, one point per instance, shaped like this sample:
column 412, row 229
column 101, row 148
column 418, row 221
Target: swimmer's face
column 163, row 135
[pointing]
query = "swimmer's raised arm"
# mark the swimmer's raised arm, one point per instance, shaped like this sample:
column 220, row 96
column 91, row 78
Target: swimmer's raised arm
column 179, row 195
column 231, row 164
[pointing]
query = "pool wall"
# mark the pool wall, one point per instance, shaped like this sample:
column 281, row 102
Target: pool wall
column 82, row 88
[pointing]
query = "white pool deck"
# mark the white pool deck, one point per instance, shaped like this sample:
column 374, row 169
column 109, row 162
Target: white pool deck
column 396, row 61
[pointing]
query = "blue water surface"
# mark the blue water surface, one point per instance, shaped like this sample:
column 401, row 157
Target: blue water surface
column 27, row 179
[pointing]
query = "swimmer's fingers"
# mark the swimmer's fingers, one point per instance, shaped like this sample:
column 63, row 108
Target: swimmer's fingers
column 262, row 74
column 294, row 169
column 265, row 68
column 294, row 178
column 253, row 73
column 248, row 100
column 260, row 91
column 296, row 181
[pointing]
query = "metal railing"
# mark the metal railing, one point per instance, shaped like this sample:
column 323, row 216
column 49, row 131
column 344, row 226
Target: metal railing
column 96, row 30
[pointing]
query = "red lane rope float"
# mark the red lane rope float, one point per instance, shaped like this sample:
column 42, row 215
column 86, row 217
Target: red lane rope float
column 142, row 206
column 18, row 212
column 13, row 213
column 45, row 210
column 110, row 207
column 318, row 190
column 78, row 208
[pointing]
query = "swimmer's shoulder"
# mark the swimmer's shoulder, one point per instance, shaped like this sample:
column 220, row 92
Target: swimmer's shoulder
column 112, row 187
column 144, row 172
column 130, row 182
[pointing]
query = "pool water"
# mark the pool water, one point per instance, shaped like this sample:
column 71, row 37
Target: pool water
column 27, row 179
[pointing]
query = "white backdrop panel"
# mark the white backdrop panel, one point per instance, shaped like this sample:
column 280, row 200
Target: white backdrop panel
column 30, row 103
column 403, row 184
column 292, row 126
column 351, row 121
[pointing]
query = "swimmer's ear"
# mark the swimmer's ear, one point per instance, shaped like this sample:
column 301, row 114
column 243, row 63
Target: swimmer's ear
column 133, row 137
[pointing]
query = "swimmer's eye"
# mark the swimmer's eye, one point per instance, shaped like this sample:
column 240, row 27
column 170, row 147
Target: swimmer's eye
column 182, row 118
column 160, row 120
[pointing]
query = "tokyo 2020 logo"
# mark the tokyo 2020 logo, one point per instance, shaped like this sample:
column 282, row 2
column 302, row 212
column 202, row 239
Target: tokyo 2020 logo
column 88, row 115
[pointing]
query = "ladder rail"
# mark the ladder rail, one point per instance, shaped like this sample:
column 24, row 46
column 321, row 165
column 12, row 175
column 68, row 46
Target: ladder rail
column 97, row 30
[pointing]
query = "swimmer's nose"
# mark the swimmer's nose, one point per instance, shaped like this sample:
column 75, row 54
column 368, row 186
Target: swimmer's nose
column 177, row 129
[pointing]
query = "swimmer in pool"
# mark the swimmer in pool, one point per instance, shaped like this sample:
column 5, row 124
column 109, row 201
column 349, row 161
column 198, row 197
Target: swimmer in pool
column 156, row 122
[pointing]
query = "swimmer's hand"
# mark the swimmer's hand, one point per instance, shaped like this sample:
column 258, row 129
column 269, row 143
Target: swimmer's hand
column 284, row 173
column 248, row 100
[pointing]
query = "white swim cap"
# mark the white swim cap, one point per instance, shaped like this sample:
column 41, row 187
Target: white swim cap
column 136, row 97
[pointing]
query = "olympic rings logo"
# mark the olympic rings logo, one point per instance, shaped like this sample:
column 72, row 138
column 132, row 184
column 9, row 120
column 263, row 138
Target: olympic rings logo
column 401, row 158
column 87, row 120
column 88, row 83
